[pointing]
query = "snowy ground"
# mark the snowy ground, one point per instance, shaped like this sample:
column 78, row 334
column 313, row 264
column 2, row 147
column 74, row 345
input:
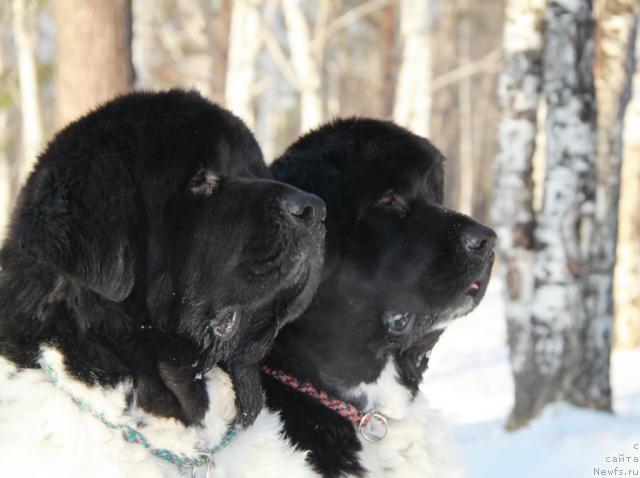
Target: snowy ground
column 469, row 381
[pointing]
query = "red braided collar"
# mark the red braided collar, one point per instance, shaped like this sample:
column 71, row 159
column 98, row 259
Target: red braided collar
column 359, row 419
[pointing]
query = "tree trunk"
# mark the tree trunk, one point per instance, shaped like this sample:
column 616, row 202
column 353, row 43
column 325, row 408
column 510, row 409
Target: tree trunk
column 388, row 46
column 565, row 223
column 93, row 54
column 466, row 163
column 444, row 127
column 24, row 27
column 244, row 46
column 591, row 387
column 5, row 170
column 513, row 215
column 413, row 92
column 270, row 118
column 304, row 64
column 627, row 291
column 5, row 188
column 5, row 175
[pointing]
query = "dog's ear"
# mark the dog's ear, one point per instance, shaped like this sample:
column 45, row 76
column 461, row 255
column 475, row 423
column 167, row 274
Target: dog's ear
column 79, row 219
column 249, row 396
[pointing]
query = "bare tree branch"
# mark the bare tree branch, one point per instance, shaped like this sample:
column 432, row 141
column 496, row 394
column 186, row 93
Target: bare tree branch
column 488, row 63
column 280, row 57
column 347, row 18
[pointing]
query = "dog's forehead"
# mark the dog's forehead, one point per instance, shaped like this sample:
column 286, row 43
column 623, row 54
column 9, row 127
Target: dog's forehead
column 415, row 170
column 236, row 158
column 427, row 185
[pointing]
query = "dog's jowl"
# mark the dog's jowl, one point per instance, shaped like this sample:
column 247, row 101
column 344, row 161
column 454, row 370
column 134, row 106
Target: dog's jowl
column 150, row 263
column 399, row 267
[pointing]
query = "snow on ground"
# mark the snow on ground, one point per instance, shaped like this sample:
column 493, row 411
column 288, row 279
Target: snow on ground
column 470, row 382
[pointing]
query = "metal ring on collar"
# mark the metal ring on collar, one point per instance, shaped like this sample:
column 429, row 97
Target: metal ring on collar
column 369, row 417
column 207, row 463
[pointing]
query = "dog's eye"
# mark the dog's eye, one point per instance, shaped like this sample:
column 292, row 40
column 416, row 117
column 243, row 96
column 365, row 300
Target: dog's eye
column 392, row 200
column 204, row 182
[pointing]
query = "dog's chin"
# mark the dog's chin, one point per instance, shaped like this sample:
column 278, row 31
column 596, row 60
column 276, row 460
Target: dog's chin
column 406, row 326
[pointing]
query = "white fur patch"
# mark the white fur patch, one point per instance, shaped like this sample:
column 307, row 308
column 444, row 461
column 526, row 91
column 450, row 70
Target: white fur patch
column 44, row 434
column 417, row 444
column 386, row 395
column 452, row 314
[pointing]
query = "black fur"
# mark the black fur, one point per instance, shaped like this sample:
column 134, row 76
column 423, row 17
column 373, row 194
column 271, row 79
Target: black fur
column 151, row 243
column 392, row 251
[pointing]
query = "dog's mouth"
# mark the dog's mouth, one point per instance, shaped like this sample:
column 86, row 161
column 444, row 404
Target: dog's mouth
column 478, row 286
column 293, row 299
column 474, row 289
column 299, row 281
column 399, row 323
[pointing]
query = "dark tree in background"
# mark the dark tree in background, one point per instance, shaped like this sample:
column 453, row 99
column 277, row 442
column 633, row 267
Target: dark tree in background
column 93, row 54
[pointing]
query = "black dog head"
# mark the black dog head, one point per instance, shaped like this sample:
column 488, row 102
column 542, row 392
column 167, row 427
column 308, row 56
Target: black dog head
column 399, row 265
column 162, row 203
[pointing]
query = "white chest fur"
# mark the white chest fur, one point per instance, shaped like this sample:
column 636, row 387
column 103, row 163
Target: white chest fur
column 43, row 433
column 417, row 444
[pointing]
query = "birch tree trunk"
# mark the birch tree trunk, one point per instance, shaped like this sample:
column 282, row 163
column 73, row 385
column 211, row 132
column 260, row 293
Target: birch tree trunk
column 5, row 170
column 591, row 387
column 304, row 64
column 93, row 54
column 24, row 28
column 627, row 321
column 412, row 107
column 513, row 215
column 244, row 46
column 5, row 187
column 565, row 222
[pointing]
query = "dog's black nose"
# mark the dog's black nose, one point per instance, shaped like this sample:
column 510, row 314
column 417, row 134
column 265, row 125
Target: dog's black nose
column 304, row 207
column 478, row 239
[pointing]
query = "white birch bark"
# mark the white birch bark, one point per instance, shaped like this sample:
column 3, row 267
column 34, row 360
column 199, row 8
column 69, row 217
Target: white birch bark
column 513, row 214
column 5, row 171
column 616, row 20
column 24, row 28
column 5, row 187
column 627, row 291
column 304, row 64
column 412, row 107
column 244, row 46
column 565, row 222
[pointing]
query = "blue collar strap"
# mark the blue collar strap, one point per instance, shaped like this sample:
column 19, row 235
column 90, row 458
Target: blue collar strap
column 132, row 435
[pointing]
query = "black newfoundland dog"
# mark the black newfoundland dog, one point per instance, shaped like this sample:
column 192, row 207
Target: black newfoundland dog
column 399, row 266
column 150, row 263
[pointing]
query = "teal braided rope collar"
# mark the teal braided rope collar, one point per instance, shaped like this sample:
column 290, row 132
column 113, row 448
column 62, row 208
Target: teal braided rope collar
column 131, row 435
